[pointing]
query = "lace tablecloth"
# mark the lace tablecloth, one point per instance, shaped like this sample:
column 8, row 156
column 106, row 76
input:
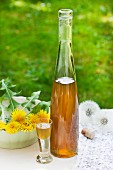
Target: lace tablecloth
column 96, row 154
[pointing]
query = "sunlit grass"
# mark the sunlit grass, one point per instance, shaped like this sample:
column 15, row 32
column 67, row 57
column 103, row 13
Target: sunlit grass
column 30, row 43
column 38, row 6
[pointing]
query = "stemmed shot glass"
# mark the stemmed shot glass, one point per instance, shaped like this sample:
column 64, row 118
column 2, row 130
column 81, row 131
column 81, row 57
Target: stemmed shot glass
column 43, row 129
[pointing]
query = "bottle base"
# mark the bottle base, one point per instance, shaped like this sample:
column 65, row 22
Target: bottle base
column 63, row 153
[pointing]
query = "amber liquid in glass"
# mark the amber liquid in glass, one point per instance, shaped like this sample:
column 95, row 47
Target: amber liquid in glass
column 43, row 130
column 64, row 114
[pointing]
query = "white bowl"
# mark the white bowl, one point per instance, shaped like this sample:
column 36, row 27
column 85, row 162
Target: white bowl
column 19, row 139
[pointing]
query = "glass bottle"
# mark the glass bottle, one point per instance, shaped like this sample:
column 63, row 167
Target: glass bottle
column 64, row 100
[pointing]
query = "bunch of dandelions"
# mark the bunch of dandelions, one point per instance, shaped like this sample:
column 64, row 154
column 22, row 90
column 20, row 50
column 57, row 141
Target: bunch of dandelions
column 91, row 115
column 87, row 112
column 21, row 121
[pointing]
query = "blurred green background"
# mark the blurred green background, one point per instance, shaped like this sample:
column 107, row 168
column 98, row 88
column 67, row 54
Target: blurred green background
column 29, row 45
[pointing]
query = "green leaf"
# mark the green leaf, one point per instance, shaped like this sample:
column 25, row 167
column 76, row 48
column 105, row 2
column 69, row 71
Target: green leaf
column 15, row 104
column 5, row 83
column 31, row 100
column 9, row 94
column 42, row 105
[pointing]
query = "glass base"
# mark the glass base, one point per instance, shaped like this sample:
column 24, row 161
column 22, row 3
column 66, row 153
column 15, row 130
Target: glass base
column 44, row 160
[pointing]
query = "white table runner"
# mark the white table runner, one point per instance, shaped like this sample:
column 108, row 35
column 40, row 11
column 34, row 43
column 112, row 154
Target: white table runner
column 96, row 154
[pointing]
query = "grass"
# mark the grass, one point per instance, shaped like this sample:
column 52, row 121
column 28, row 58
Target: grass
column 29, row 46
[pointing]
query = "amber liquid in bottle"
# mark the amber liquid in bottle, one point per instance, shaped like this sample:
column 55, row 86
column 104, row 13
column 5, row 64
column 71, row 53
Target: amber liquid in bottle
column 65, row 118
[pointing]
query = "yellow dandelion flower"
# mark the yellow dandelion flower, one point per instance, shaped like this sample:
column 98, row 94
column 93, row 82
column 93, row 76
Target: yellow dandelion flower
column 34, row 126
column 33, row 118
column 18, row 115
column 26, row 121
column 2, row 125
column 12, row 127
column 26, row 127
column 43, row 114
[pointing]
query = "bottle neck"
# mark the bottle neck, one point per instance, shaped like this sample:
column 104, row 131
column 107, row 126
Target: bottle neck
column 65, row 29
column 65, row 62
